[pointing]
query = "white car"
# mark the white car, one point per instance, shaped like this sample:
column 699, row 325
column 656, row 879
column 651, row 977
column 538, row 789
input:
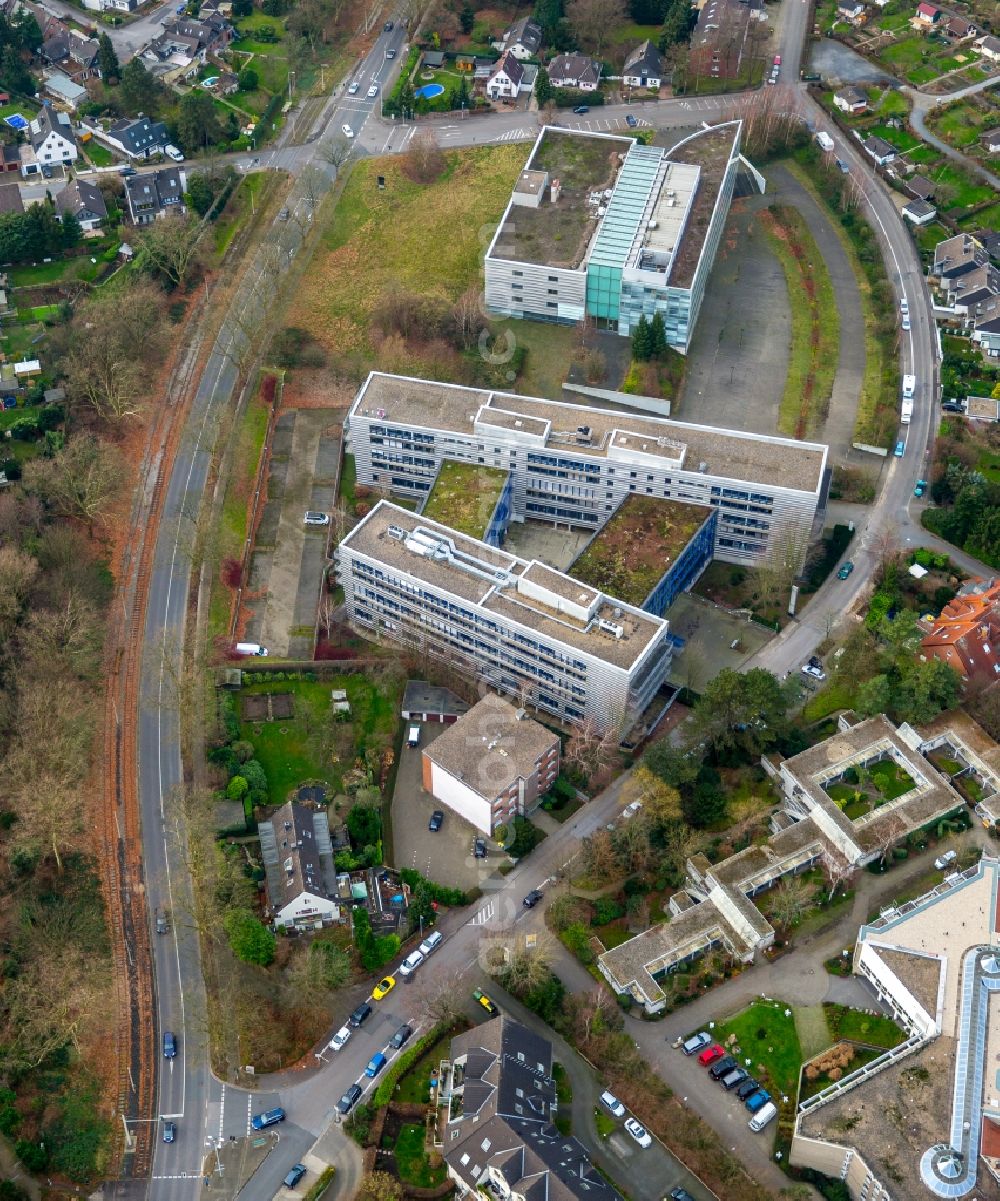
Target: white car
column 611, row 1102
column 373, row 91
column 347, row 131
column 411, row 963
column 314, row 518
column 340, row 1038
column 173, row 152
column 631, row 810
column 353, row 89
column 906, row 323
column 810, row 669
column 638, row 1132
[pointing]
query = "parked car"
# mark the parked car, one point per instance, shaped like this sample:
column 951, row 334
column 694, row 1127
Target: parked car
column 611, row 1102
column 431, row 943
column 581, row 109
column 354, row 88
column 766, row 1113
column 906, row 323
column 721, row 1067
column 900, row 449
column 631, row 809
column 295, row 1175
column 361, row 1014
column 748, row 1087
column 479, row 848
column 411, row 963
column 484, row 1000
column 952, row 406
column 638, row 1132
column 270, row 1117
column 732, row 1079
column 757, row 1100
column 920, row 488
column 314, row 518
column 710, row 1055
column 169, row 1044
column 162, row 925
column 340, row 1038
column 125, row 172
column 347, row 131
column 631, row 121
column 383, row 988
column 532, row 899
column 809, row 669
column 904, row 305
column 843, row 166
column 349, row 1099
column 680, row 1194
column 401, row 1036
column 845, row 570
column 169, row 1132
column 174, row 152
column 695, row 1043
column 387, row 27
column 437, row 821
column 375, row 1065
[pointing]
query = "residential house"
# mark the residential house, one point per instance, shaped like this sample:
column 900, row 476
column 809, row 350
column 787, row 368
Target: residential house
column 920, row 187
column 63, row 89
column 926, row 16
column 959, row 27
column 155, row 194
column 505, row 80
column 227, row 83
column 492, row 765
column 987, row 335
column 523, row 39
column 496, row 1125
column 298, row 864
column 966, row 635
column 850, row 100
column 643, row 67
column 852, row 11
column 466, row 63
column 990, row 141
column 55, row 50
column 957, row 255
column 171, row 49
column 718, row 41
column 135, row 137
column 575, row 71
column 880, row 150
column 990, row 241
column 124, row 6
column 969, row 292
column 83, row 56
column 919, row 212
column 51, row 142
column 989, row 47
column 84, row 201
column 10, row 198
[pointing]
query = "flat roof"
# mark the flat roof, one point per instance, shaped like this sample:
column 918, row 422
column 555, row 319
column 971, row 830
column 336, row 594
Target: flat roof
column 711, row 150
column 727, row 454
column 490, row 578
column 464, row 496
column 635, row 549
column 558, row 233
column 490, row 748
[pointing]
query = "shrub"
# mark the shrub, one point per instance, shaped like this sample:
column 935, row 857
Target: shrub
column 251, row 941
column 232, row 572
column 607, row 909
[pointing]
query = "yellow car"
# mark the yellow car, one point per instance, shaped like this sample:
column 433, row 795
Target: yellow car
column 383, row 988
column 485, row 1001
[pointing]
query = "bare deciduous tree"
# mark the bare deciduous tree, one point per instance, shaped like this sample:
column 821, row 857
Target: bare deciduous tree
column 173, row 247
column 80, row 481
column 423, row 161
column 593, row 21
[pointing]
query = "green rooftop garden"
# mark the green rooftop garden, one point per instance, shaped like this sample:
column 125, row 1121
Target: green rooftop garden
column 464, row 496
column 636, row 548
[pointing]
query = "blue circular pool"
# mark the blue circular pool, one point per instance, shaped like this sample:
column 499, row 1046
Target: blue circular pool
column 429, row 90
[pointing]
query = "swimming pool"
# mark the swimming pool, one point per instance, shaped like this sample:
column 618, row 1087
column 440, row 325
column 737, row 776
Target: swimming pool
column 429, row 90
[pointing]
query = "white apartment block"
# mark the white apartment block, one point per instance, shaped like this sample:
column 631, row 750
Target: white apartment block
column 574, row 465
column 520, row 627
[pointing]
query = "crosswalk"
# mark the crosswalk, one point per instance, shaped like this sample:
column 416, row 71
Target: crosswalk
column 517, row 135
column 485, row 915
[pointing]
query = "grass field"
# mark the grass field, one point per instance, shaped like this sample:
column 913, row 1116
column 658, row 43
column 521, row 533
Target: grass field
column 411, row 1158
column 768, row 1038
column 42, row 273
column 967, row 192
column 900, row 138
column 862, row 1027
column 549, row 353
column 99, row 155
column 380, row 242
column 815, row 323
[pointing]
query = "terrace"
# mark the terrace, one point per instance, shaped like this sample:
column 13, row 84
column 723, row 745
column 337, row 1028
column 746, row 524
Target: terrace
column 464, row 497
column 558, row 234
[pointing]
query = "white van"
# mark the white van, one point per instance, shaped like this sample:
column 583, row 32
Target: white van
column 173, row 152
column 413, row 736
column 431, row 943
column 761, row 1118
column 250, row 648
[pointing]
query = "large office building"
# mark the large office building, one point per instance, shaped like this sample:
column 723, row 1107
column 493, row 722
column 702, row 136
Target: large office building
column 574, row 466
column 520, row 627
column 604, row 227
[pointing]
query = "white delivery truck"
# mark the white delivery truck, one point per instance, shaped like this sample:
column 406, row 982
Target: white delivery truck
column 250, row 648
column 824, row 141
column 909, row 386
column 907, row 411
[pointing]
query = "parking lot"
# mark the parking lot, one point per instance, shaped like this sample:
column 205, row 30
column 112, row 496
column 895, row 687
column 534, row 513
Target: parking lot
column 446, row 856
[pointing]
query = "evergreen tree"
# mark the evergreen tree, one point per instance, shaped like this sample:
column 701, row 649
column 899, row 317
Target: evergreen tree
column 657, row 337
column 543, row 87
column 107, row 60
column 140, row 90
column 642, row 341
column 467, row 18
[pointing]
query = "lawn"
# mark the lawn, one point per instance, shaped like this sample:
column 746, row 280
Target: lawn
column 967, row 193
column 631, row 35
column 310, row 745
column 956, row 125
column 239, row 209
column 379, row 243
column 9, row 416
column 549, row 354
column 256, row 20
column 414, row 1085
column 861, row 1027
column 412, row 1161
column 922, row 155
column 902, row 139
column 768, row 1038
column 99, row 155
column 989, row 466
column 38, row 275
column 39, row 313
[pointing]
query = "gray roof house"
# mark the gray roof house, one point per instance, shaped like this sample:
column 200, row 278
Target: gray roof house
column 498, row 1138
column 643, row 67
column 919, row 212
column 575, row 71
column 84, row 201
column 958, row 255
column 298, row 863
column 523, row 39
column 51, row 141
column 155, row 194
column 880, row 150
column 136, row 137
column 63, row 89
column 991, row 140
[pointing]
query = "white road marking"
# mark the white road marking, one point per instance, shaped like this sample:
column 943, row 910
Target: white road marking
column 222, row 1110
column 484, row 915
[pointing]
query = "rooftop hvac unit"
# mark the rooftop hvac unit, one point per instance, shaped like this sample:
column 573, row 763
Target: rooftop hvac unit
column 652, row 225
column 607, row 193
column 702, row 467
column 583, row 429
column 601, row 211
column 394, row 531
column 611, row 627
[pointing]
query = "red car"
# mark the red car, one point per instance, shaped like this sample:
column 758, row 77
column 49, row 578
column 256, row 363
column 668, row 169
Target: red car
column 710, row 1055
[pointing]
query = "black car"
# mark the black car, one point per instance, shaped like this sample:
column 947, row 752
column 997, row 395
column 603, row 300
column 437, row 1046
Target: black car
column 733, row 1078
column 437, row 821
column 127, row 171
column 631, row 121
column 680, row 1194
column 532, row 899
column 401, row 1036
column 721, row 1067
column 952, row 406
column 349, row 1099
column 747, row 1087
column 479, row 848
column 169, row 1132
column 361, row 1014
column 581, row 109
column 387, row 27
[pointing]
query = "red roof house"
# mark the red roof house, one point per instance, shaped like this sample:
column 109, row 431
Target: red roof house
column 967, row 634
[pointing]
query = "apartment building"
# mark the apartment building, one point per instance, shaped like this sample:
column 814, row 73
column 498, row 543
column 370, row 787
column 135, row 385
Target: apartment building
column 573, row 465
column 521, row 627
column 492, row 765
column 616, row 230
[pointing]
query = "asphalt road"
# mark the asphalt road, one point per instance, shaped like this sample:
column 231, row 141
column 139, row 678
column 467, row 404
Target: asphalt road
column 204, row 1109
